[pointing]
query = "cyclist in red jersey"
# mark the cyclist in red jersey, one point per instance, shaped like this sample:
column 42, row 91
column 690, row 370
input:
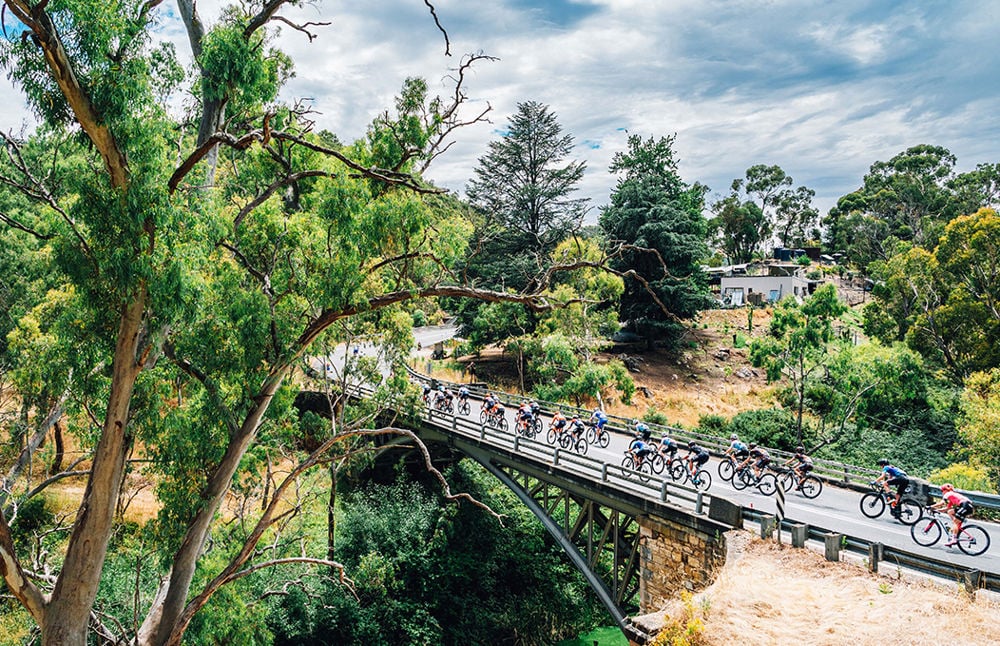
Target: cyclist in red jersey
column 959, row 507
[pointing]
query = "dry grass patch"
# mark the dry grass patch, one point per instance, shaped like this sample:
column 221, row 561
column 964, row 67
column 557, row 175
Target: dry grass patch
column 772, row 596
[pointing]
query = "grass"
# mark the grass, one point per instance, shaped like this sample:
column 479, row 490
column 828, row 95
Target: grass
column 604, row 636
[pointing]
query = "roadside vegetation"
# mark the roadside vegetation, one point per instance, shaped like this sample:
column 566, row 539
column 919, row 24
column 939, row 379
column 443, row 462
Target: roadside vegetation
column 181, row 253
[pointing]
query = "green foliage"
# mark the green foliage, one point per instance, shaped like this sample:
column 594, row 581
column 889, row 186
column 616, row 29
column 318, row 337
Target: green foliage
column 771, row 427
column 713, row 424
column 964, row 476
column 979, row 428
column 660, row 216
column 654, row 416
column 411, row 556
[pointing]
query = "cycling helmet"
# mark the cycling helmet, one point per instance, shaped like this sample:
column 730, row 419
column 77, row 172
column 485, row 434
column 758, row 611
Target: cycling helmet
column 883, row 462
column 947, row 487
column 691, row 444
column 752, row 446
column 733, row 437
column 800, row 449
column 635, row 421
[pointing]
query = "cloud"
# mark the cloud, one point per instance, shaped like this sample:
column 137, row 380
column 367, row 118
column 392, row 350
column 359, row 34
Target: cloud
column 821, row 89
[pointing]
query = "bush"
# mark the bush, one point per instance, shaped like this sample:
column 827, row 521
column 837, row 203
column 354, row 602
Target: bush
column 654, row 416
column 713, row 425
column 964, row 476
column 771, row 427
column 419, row 318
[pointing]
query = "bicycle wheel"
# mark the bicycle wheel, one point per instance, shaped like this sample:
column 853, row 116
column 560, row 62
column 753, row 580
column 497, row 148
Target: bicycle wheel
column 645, row 471
column 872, row 505
column 741, row 479
column 909, row 511
column 503, row 425
column 677, row 470
column 767, row 484
column 550, row 437
column 926, row 532
column 603, row 439
column 973, row 540
column 786, row 480
column 464, row 408
column 565, row 440
column 702, row 480
column 482, row 418
column 591, row 431
column 811, row 486
column 536, row 427
column 581, row 446
column 628, row 466
column 726, row 469
column 657, row 462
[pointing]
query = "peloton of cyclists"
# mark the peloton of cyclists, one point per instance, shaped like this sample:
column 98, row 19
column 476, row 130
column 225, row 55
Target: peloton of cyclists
column 958, row 506
column 893, row 476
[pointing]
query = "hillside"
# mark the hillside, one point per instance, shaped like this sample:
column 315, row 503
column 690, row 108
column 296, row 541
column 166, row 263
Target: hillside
column 767, row 594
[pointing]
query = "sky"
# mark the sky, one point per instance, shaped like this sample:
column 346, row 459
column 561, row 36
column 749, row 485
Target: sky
column 822, row 89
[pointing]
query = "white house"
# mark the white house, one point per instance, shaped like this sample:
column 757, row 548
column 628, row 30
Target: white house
column 780, row 281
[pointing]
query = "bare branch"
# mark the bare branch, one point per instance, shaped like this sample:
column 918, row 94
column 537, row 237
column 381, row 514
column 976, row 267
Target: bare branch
column 14, row 224
column 303, row 26
column 447, row 43
column 269, row 191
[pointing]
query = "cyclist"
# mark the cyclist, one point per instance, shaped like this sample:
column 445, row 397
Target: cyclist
column 737, row 450
column 524, row 416
column 427, row 394
column 599, row 418
column 488, row 402
column 558, row 421
column 640, row 432
column 803, row 463
column 668, row 448
column 576, row 428
column 760, row 458
column 463, row 394
column 640, row 449
column 893, row 476
column 959, row 507
column 696, row 457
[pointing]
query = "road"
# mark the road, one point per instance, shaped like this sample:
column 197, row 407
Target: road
column 836, row 508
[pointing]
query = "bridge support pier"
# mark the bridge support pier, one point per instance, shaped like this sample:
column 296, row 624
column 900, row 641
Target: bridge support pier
column 675, row 556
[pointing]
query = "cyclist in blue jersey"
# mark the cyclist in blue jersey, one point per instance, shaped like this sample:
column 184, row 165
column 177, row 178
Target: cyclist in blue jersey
column 893, row 476
column 599, row 417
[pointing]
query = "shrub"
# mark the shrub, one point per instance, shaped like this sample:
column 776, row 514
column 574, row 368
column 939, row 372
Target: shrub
column 713, row 425
column 771, row 427
column 687, row 629
column 964, row 476
column 654, row 416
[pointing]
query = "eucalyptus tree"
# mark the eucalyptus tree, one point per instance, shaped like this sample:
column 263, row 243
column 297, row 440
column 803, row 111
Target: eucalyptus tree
column 199, row 263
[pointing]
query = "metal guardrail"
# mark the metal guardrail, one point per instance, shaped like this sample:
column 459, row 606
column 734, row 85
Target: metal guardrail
column 974, row 579
column 667, row 491
column 839, row 473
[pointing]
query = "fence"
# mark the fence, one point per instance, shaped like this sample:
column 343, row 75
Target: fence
column 839, row 473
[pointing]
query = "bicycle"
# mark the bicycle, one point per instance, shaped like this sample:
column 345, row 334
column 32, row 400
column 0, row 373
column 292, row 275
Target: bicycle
column 727, row 468
column 874, row 502
column 599, row 436
column 463, row 406
column 744, row 477
column 809, row 485
column 971, row 539
column 701, row 479
column 578, row 443
column 631, row 464
column 495, row 419
column 666, row 461
column 444, row 405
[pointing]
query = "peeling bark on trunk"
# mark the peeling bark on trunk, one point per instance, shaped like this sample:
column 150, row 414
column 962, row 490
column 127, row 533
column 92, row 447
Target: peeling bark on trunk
column 66, row 618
